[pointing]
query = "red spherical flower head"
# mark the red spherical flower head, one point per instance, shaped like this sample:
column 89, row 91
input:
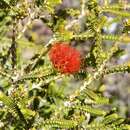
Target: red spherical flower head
column 65, row 58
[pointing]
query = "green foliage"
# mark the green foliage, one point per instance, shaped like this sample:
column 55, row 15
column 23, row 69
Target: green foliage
column 50, row 4
column 33, row 94
column 60, row 123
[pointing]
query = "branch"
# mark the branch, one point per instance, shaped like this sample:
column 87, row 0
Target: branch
column 13, row 106
column 80, row 17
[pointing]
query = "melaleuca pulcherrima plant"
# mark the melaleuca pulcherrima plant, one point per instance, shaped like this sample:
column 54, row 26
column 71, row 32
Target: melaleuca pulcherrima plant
column 55, row 58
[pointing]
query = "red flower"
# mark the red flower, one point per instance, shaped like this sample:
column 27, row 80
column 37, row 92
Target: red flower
column 65, row 58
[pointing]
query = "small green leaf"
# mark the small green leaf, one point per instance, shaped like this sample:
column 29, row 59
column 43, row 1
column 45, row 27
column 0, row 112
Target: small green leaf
column 6, row 1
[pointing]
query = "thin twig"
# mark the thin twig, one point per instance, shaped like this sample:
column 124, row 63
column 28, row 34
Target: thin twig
column 31, row 17
column 83, row 14
column 44, row 51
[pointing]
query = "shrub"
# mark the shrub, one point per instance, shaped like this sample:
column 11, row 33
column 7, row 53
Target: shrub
column 59, row 84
